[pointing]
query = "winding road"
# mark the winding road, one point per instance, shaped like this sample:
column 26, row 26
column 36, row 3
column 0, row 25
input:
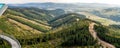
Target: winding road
column 14, row 43
column 101, row 42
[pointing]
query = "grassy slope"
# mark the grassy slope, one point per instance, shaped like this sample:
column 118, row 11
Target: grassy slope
column 72, row 28
column 4, row 44
column 49, row 42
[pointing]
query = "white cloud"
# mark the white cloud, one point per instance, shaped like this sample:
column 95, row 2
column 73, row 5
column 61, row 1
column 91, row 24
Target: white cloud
column 63, row 1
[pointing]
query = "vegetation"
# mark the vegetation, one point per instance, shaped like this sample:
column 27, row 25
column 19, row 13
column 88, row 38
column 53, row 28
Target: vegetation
column 29, row 24
column 103, row 34
column 68, row 30
column 74, row 34
column 109, row 13
column 67, row 18
column 4, row 44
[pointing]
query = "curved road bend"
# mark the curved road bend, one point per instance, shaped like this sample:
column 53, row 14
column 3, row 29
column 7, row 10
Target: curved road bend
column 14, row 43
column 94, row 34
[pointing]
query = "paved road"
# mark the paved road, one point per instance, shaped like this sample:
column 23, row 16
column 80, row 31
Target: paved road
column 13, row 42
column 94, row 34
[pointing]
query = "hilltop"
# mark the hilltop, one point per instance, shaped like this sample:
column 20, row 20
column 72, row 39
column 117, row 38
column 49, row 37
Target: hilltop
column 34, row 28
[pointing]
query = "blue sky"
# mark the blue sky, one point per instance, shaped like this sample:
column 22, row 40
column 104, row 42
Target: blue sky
column 61, row 1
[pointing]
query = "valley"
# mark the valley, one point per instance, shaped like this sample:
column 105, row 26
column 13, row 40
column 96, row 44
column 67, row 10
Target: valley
column 59, row 27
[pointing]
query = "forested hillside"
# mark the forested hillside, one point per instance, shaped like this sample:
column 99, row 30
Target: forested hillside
column 109, row 34
column 39, row 28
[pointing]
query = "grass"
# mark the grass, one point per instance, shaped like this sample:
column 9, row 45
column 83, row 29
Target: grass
column 34, row 26
column 4, row 44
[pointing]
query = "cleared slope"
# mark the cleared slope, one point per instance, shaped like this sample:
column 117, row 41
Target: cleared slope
column 35, row 26
column 13, row 12
column 24, row 27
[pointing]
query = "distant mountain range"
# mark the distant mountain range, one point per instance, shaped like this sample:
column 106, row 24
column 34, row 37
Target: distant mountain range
column 62, row 5
column 60, row 25
column 102, row 10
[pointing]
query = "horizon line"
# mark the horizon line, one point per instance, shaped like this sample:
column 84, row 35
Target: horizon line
column 61, row 2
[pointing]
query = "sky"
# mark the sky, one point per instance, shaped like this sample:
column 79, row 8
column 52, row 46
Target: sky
column 117, row 2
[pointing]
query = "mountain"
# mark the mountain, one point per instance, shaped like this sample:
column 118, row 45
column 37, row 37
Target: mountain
column 50, row 5
column 66, row 19
column 27, row 26
column 109, row 13
column 39, row 13
column 35, row 27
column 98, row 9
column 43, row 5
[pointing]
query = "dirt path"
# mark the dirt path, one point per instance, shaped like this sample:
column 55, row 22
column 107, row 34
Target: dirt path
column 94, row 34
